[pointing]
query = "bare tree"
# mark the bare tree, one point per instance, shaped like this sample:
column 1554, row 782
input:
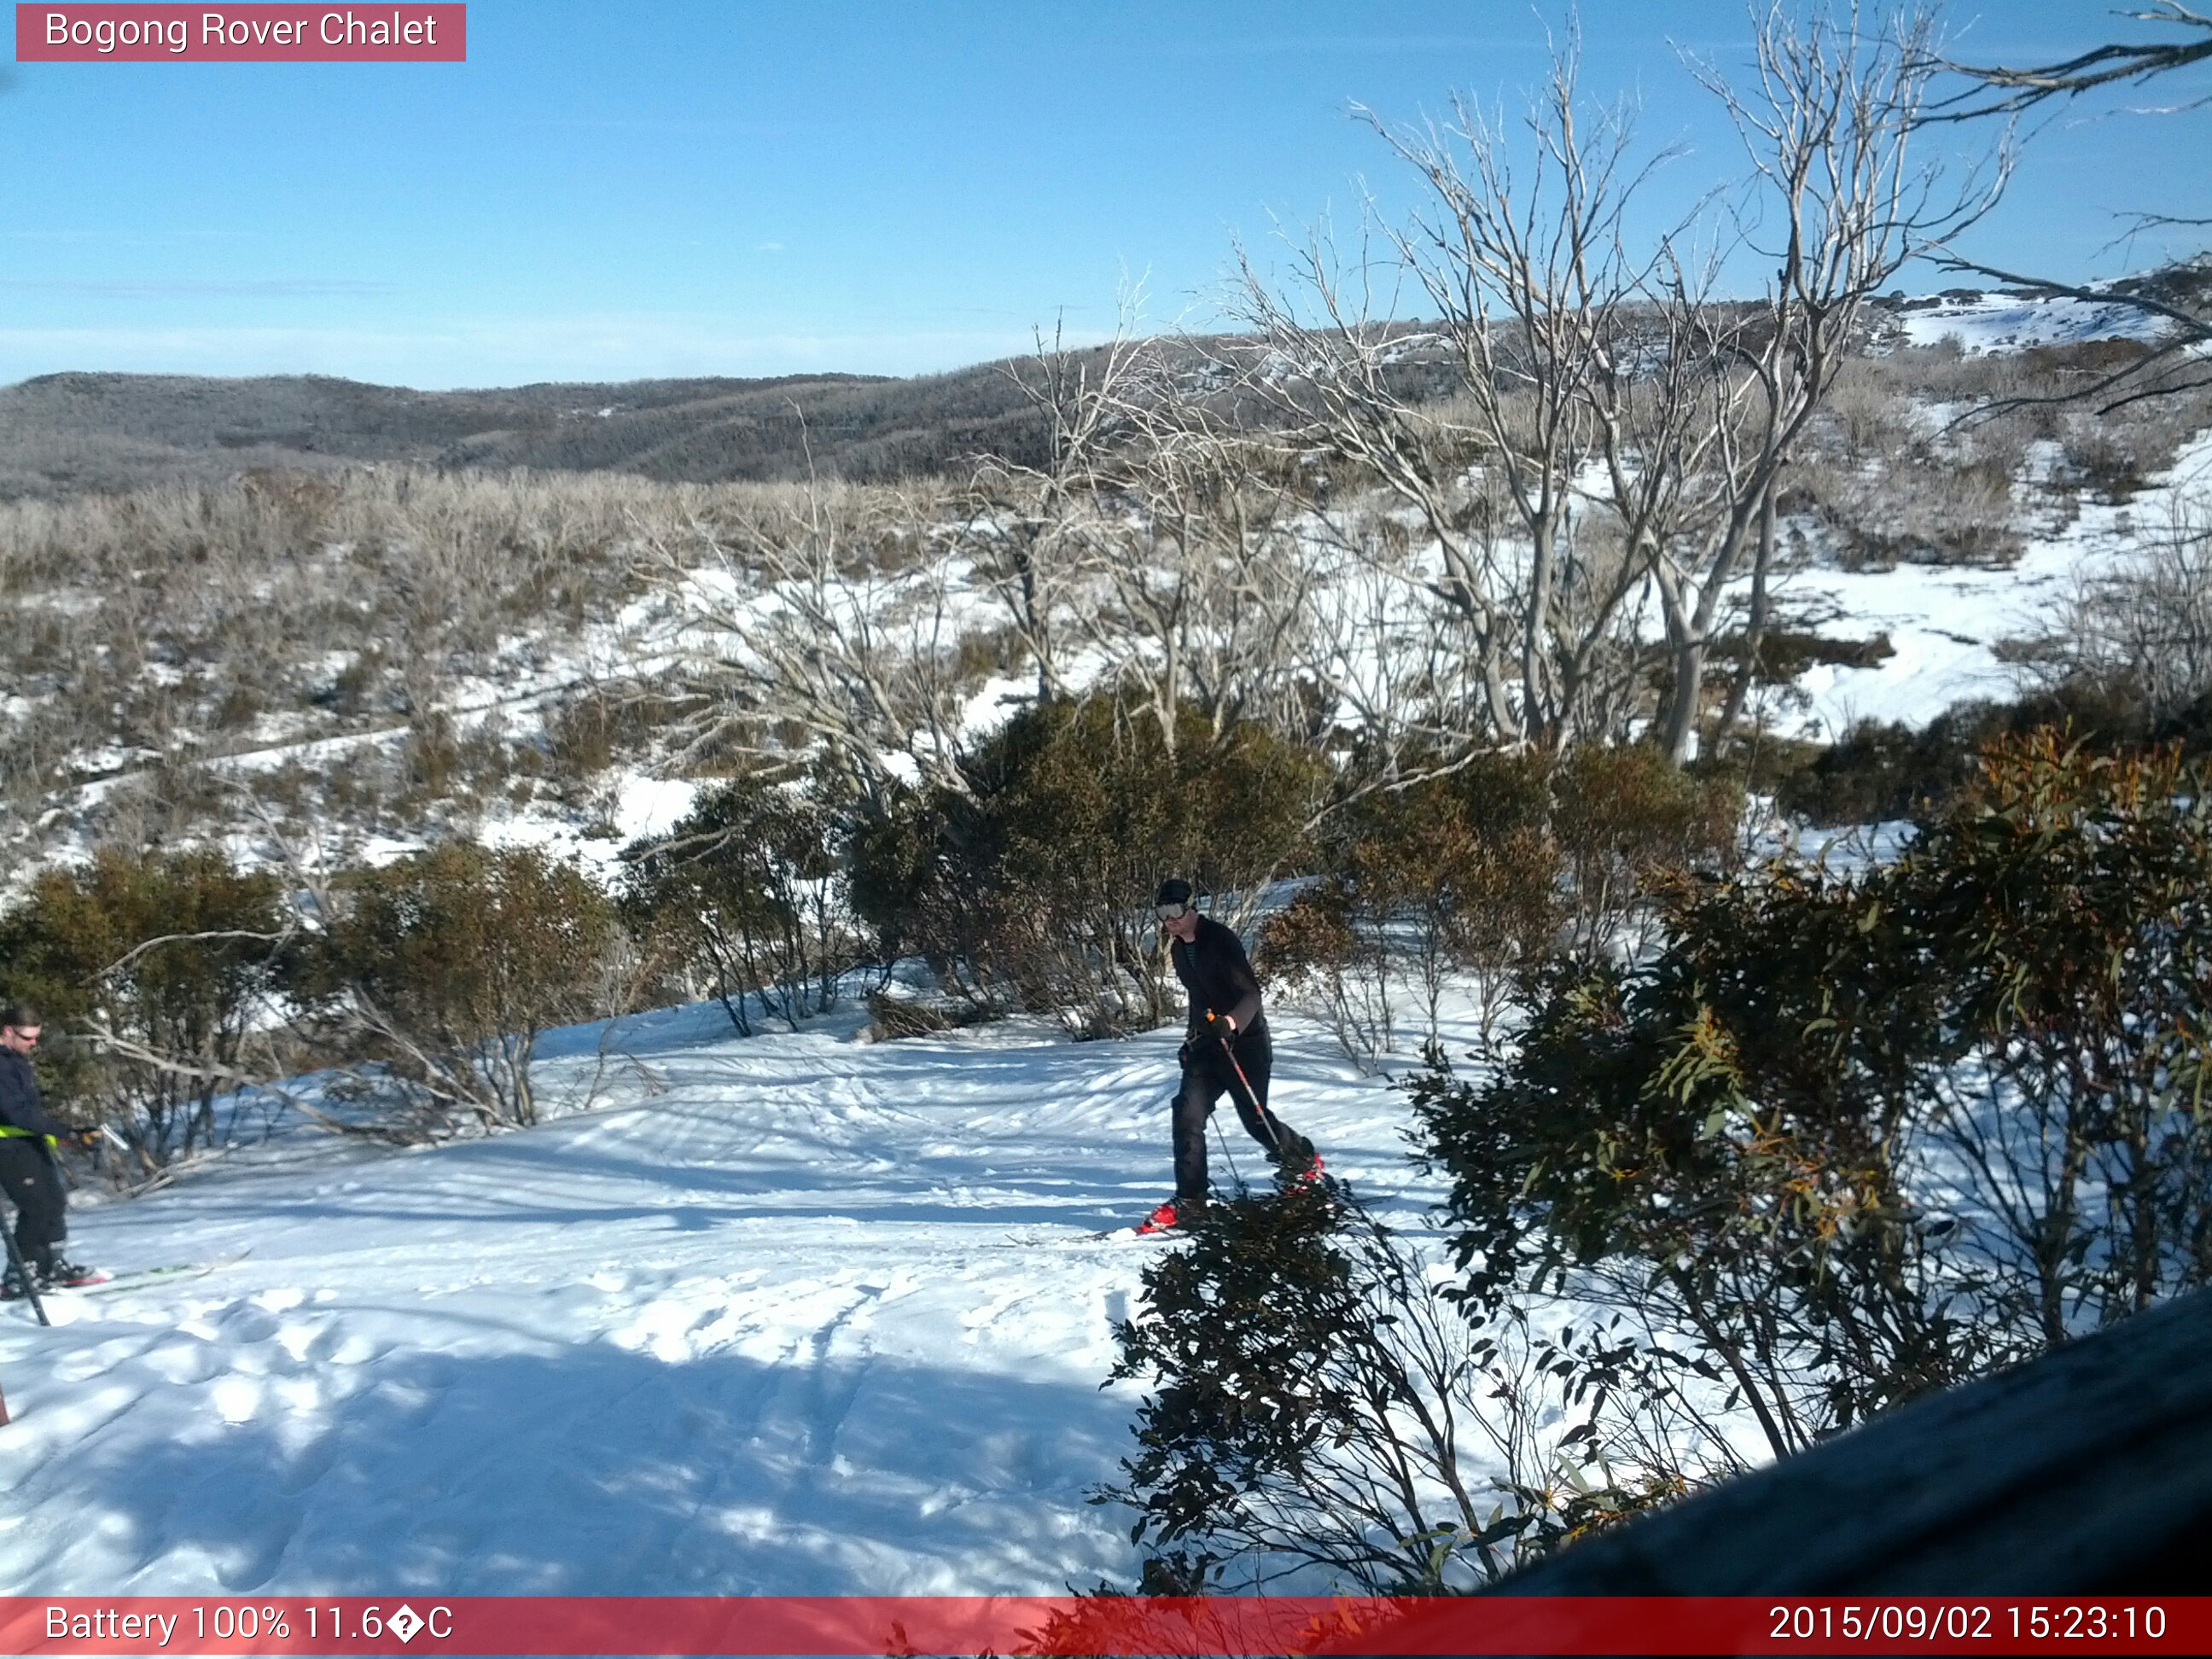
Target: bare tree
column 1028, row 525
column 826, row 620
column 1482, row 423
column 1198, row 572
column 1609, row 426
column 1843, row 200
column 1157, row 544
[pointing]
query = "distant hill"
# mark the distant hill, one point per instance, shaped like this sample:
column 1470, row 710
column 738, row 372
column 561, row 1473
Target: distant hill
column 65, row 433
column 68, row 433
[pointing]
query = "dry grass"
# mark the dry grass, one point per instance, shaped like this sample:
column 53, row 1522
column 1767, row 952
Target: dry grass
column 1927, row 454
column 161, row 628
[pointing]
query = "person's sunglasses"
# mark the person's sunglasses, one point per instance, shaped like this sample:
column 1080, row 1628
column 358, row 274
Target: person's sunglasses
column 1172, row 912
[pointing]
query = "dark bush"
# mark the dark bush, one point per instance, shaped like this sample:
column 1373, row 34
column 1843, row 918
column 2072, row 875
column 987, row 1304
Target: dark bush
column 743, row 894
column 1881, row 770
column 1032, row 889
column 1751, row 1140
column 1784, row 653
column 1624, row 818
column 1455, row 874
column 1318, row 1406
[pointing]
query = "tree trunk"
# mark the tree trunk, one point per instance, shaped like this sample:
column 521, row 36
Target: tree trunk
column 1754, row 627
column 1679, row 720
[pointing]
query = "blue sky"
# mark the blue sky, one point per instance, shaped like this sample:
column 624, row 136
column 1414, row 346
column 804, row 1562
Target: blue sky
column 606, row 191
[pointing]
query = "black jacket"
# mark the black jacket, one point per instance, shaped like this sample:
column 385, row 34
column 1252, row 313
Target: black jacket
column 1219, row 975
column 20, row 1105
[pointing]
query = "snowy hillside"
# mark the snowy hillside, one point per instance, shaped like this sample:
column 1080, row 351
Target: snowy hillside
column 2013, row 322
column 801, row 1313
column 1945, row 623
column 796, row 1315
column 383, row 659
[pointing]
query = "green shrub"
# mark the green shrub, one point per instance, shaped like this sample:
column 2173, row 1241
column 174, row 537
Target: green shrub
column 1624, row 819
column 743, row 894
column 1745, row 1138
column 1315, row 1406
column 1882, row 770
column 1032, row 890
column 1455, row 874
column 442, row 971
column 161, row 962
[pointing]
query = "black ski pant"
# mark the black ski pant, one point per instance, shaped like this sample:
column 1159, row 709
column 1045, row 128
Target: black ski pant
column 33, row 1185
column 1205, row 1076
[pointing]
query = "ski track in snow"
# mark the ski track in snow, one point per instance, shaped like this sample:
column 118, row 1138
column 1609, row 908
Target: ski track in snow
column 816, row 1316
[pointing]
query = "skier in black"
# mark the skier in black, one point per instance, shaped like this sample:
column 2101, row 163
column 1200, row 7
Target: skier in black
column 28, row 1174
column 1227, row 1034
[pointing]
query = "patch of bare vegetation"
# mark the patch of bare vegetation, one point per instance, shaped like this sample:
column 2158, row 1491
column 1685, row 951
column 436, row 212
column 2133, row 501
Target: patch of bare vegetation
column 378, row 645
column 1927, row 455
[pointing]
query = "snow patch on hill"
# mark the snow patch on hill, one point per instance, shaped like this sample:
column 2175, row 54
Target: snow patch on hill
column 2010, row 322
column 1945, row 622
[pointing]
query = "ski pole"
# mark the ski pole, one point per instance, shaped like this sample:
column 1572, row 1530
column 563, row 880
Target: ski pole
column 23, row 1278
column 1235, row 1174
column 1259, row 1111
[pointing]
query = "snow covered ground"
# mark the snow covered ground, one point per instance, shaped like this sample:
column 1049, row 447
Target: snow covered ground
column 801, row 1313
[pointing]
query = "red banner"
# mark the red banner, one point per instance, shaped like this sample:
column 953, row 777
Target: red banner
column 167, row 33
column 1009, row 1626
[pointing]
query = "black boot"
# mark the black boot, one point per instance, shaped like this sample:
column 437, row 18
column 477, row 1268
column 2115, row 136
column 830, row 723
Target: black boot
column 60, row 1273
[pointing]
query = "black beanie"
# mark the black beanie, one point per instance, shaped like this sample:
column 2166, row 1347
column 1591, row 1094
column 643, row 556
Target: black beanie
column 1174, row 891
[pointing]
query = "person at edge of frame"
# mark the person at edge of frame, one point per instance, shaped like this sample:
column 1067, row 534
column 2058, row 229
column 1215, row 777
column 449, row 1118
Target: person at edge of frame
column 30, row 1172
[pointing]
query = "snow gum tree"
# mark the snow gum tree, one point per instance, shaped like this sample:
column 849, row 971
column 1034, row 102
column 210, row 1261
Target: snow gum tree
column 1519, row 254
column 820, row 620
column 1843, row 197
column 1581, row 425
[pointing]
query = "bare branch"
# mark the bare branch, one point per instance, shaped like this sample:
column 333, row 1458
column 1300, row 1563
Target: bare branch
column 2019, row 89
column 140, row 950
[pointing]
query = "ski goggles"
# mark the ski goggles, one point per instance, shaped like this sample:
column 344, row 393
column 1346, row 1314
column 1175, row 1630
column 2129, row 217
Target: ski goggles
column 1173, row 912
